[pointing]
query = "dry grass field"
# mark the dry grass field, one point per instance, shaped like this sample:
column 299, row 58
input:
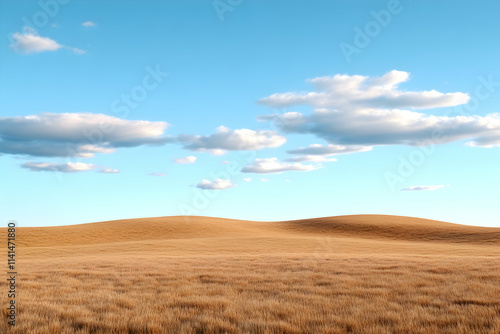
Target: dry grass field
column 348, row 274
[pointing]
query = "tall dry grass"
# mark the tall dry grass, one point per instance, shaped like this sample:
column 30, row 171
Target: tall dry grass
column 256, row 278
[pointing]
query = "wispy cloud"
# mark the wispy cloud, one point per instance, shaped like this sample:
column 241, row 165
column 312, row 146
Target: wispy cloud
column 215, row 184
column 109, row 171
column 157, row 174
column 247, row 179
column 69, row 167
column 273, row 165
column 326, row 150
column 187, row 160
column 424, row 188
column 310, row 158
column 88, row 24
column 323, row 153
column 29, row 41
column 78, row 51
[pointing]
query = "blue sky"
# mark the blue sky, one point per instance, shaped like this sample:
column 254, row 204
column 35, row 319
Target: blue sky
column 128, row 109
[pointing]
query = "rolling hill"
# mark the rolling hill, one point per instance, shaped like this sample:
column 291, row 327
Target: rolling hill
column 192, row 275
column 183, row 235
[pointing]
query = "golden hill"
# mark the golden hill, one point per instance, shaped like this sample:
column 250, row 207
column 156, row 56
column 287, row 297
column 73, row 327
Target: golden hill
column 185, row 235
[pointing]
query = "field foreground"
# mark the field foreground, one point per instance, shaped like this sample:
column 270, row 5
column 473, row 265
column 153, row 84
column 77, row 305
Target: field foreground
column 350, row 274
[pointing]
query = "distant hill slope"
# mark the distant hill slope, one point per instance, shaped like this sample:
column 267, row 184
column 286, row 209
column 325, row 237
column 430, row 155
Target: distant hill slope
column 396, row 227
column 377, row 227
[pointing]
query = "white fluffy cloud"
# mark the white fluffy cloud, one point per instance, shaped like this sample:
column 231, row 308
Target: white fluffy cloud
column 247, row 179
column 232, row 140
column 215, row 184
column 187, row 160
column 30, row 42
column 273, row 165
column 356, row 91
column 69, row 167
column 425, row 188
column 358, row 110
column 78, row 134
column 89, row 24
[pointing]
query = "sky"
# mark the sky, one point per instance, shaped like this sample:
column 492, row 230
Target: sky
column 258, row 110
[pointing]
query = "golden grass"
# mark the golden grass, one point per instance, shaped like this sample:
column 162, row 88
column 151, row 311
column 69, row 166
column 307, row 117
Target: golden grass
column 351, row 274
